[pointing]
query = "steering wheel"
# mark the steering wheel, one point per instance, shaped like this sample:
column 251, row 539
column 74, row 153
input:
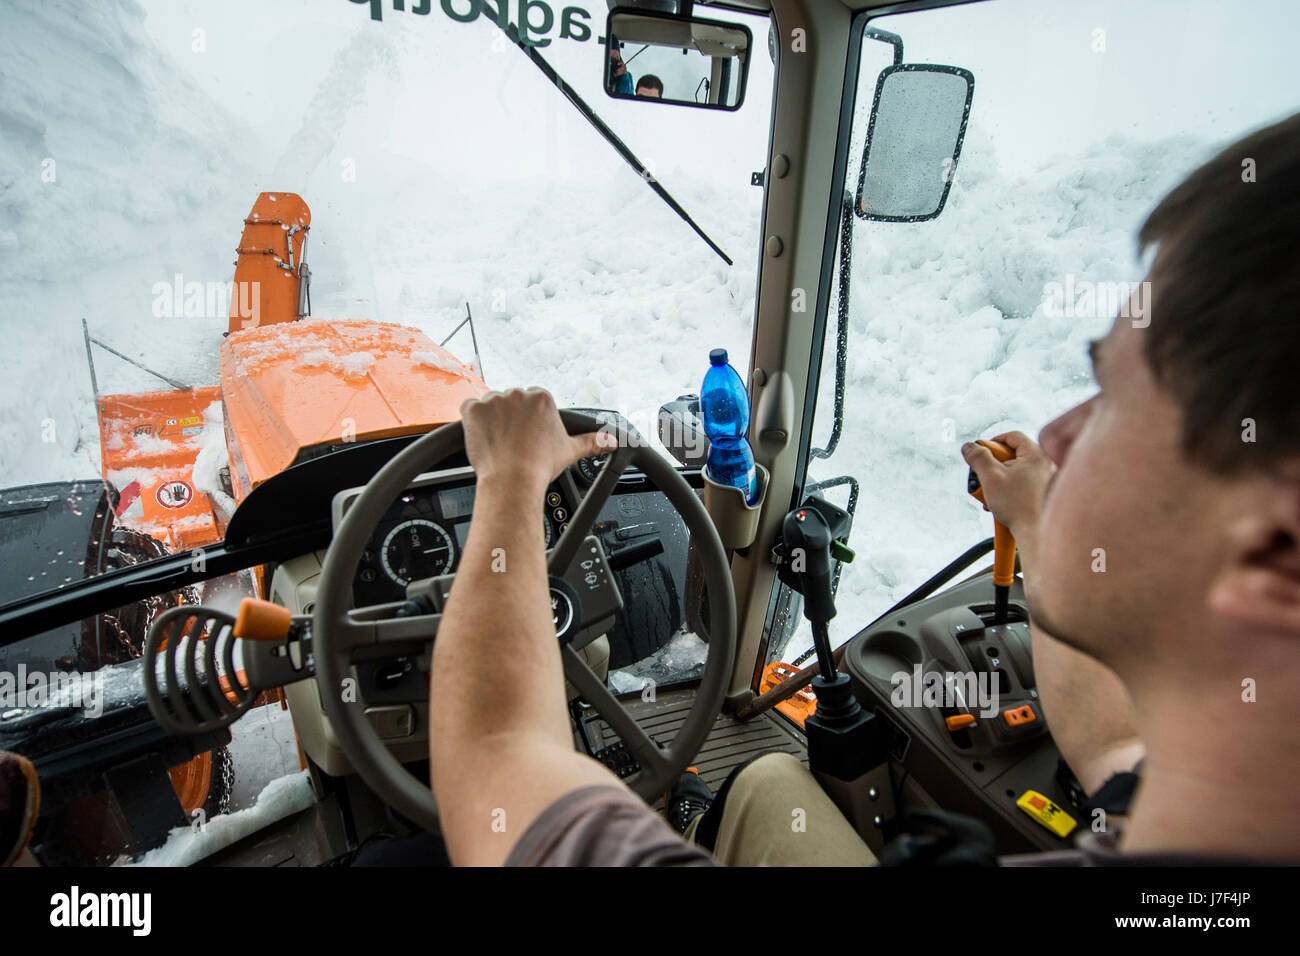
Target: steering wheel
column 343, row 636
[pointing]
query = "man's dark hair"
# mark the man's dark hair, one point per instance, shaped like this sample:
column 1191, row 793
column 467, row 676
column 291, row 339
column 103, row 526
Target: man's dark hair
column 650, row 82
column 1224, row 338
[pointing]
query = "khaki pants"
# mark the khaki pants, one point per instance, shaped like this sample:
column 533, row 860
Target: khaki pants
column 776, row 814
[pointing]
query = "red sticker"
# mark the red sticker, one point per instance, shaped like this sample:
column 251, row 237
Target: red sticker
column 127, row 497
column 175, row 493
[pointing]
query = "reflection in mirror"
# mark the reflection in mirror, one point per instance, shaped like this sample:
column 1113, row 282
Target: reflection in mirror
column 674, row 59
column 918, row 121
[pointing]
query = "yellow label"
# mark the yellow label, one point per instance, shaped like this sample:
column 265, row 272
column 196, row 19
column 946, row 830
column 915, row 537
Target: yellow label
column 1046, row 812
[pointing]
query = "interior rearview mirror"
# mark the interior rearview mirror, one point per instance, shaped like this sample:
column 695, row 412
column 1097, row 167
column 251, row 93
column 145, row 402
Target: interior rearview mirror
column 668, row 58
column 918, row 121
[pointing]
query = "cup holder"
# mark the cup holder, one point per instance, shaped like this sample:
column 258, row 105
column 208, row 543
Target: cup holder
column 734, row 517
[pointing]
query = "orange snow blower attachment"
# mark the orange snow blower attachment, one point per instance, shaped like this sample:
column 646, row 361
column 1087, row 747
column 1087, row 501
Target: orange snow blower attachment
column 289, row 384
column 305, row 384
column 149, row 442
column 272, row 281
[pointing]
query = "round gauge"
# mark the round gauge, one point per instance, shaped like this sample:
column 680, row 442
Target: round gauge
column 417, row 549
column 590, row 467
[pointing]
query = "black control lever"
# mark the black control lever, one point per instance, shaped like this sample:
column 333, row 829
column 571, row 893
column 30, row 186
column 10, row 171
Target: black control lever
column 843, row 740
column 807, row 538
column 635, row 553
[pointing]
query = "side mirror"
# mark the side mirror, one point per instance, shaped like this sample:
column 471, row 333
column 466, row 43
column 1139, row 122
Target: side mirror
column 662, row 57
column 682, row 432
column 918, row 122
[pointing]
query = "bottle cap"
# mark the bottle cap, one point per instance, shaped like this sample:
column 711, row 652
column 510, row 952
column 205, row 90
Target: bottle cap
column 718, row 357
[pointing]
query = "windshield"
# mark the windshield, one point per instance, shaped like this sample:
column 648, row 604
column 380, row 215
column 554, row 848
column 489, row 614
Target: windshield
column 978, row 321
column 446, row 175
column 441, row 167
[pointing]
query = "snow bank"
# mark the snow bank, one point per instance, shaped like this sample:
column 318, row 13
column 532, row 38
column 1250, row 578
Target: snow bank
column 110, row 162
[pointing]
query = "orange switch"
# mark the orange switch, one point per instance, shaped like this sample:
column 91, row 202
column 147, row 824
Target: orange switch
column 1019, row 716
column 959, row 721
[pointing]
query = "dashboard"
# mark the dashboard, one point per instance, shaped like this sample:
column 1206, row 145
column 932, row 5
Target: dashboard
column 423, row 532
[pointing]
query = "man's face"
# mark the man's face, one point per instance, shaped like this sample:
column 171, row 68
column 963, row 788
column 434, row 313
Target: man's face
column 649, row 91
column 1129, row 537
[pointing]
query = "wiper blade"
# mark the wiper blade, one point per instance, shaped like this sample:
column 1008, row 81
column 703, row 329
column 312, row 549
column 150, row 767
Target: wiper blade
column 512, row 32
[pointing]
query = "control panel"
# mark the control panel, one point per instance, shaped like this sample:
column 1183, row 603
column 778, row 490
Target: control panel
column 960, row 692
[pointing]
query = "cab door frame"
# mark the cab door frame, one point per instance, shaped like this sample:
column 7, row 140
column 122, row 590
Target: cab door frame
column 818, row 43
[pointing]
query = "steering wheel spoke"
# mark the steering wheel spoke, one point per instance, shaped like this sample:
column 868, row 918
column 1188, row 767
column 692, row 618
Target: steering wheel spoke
column 584, row 519
column 377, row 627
column 650, row 755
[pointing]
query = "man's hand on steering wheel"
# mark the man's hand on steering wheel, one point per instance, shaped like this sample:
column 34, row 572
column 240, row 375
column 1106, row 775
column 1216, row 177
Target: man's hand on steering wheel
column 516, row 438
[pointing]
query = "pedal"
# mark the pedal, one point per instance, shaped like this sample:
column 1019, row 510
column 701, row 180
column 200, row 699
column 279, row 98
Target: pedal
column 618, row 759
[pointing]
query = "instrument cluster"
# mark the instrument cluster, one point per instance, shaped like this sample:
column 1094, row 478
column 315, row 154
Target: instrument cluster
column 423, row 534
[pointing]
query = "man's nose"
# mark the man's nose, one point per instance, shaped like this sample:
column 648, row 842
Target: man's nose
column 1059, row 434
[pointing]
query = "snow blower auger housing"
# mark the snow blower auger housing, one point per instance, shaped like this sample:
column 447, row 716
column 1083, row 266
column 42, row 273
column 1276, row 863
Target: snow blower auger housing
column 291, row 388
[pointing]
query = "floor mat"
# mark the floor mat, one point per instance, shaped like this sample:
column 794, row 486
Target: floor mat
column 729, row 743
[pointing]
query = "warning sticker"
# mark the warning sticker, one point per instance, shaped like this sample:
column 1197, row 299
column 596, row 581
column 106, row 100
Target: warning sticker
column 175, row 493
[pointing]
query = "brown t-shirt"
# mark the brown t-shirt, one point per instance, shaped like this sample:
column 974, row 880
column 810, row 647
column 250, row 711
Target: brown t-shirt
column 604, row 825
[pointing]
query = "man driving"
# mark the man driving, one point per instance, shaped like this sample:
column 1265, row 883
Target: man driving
column 1183, row 471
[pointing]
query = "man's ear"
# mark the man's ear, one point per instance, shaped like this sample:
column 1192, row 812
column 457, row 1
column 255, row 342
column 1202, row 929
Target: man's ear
column 1258, row 585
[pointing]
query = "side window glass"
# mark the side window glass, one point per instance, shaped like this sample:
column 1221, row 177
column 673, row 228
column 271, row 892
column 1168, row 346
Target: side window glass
column 977, row 321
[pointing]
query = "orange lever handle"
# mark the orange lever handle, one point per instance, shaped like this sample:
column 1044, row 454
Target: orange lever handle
column 1004, row 555
column 1004, row 543
column 262, row 620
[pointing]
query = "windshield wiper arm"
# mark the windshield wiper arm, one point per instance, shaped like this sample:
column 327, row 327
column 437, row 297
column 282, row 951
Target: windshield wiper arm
column 512, row 32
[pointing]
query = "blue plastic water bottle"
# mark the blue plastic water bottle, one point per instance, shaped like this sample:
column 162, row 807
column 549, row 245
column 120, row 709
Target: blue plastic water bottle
column 724, row 406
